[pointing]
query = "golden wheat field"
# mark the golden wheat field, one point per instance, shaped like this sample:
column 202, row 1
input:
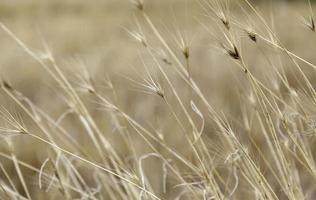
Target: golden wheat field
column 157, row 100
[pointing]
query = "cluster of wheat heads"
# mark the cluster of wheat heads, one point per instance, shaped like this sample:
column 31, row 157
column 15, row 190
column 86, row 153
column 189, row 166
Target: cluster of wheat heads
column 263, row 149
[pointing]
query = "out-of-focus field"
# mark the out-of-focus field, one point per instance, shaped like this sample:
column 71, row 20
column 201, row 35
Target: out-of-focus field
column 94, row 34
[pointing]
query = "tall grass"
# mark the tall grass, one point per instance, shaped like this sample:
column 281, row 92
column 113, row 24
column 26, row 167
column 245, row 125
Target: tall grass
column 260, row 147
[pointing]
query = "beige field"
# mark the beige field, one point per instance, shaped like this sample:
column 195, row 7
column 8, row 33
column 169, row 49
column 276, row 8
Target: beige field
column 181, row 99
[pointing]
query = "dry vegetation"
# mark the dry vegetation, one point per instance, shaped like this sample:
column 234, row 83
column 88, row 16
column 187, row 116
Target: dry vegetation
column 140, row 99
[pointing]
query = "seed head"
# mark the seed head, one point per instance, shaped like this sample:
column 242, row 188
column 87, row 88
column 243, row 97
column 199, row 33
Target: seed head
column 186, row 52
column 312, row 25
column 160, row 93
column 139, row 4
column 6, row 85
column 149, row 84
column 163, row 56
column 138, row 34
column 226, row 23
column 233, row 53
column 139, row 37
column 13, row 123
column 165, row 60
column 252, row 35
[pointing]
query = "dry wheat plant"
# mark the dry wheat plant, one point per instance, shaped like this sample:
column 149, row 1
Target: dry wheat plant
column 216, row 101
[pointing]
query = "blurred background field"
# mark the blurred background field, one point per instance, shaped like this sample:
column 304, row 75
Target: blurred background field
column 93, row 33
